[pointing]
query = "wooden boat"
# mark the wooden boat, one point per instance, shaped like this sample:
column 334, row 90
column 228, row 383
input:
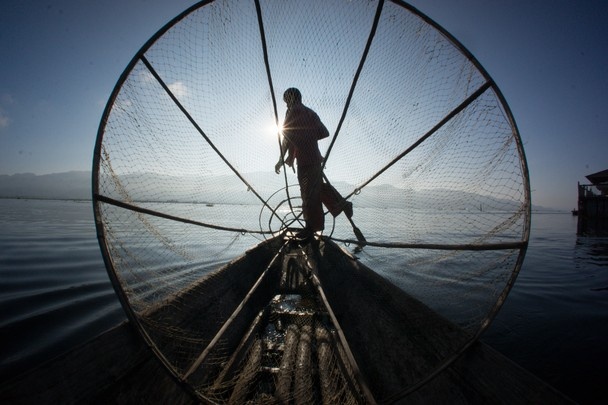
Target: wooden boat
column 309, row 324
column 427, row 141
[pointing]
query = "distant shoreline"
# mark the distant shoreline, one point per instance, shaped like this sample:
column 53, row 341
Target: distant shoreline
column 540, row 211
column 46, row 199
column 76, row 186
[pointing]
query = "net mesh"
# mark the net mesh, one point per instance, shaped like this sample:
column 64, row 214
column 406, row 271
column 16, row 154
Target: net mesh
column 421, row 142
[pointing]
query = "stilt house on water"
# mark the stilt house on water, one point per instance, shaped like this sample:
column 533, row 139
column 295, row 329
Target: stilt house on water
column 593, row 205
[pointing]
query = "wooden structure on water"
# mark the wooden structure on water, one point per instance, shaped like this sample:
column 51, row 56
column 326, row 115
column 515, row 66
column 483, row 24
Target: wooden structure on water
column 119, row 367
column 593, row 205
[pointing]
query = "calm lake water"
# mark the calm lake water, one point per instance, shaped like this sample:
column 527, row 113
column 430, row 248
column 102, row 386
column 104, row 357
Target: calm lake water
column 55, row 294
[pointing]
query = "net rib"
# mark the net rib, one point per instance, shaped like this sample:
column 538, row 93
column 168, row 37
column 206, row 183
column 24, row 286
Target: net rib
column 266, row 61
column 147, row 211
column 199, row 129
column 358, row 375
column 435, row 246
column 199, row 360
column 433, row 130
column 258, row 10
column 356, row 78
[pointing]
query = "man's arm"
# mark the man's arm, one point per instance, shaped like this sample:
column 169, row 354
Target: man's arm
column 322, row 131
column 284, row 149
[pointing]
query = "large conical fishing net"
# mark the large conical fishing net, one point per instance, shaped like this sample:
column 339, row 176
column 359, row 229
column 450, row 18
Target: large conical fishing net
column 195, row 226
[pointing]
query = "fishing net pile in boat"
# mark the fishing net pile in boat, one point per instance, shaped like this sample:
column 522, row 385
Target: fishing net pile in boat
column 421, row 142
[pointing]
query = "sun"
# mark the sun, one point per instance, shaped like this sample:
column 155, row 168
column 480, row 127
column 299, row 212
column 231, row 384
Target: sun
column 271, row 129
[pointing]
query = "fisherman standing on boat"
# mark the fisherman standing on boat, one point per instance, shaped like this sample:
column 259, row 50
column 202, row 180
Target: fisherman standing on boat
column 302, row 129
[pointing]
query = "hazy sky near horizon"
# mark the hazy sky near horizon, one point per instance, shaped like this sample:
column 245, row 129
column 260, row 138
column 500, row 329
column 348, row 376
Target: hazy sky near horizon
column 61, row 59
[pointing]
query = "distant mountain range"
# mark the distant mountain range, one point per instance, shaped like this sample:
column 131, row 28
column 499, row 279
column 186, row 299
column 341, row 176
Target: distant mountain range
column 230, row 189
column 69, row 185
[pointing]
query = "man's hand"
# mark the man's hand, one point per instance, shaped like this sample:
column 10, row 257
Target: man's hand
column 288, row 162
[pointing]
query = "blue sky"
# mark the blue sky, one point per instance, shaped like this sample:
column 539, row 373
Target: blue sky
column 60, row 60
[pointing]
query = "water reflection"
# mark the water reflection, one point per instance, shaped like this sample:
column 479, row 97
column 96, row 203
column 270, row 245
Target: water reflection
column 591, row 259
column 555, row 320
column 595, row 249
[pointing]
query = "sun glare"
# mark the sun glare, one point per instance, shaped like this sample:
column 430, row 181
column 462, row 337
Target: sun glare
column 271, row 129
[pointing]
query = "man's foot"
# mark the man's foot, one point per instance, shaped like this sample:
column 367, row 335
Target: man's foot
column 348, row 209
column 303, row 235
